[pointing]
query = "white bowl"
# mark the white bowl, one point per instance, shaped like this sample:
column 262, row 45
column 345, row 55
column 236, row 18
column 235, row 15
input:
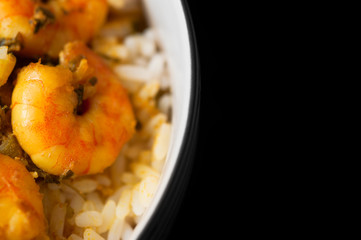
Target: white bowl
column 171, row 22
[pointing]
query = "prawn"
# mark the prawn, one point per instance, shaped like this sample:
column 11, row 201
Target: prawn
column 7, row 64
column 22, row 216
column 75, row 116
column 35, row 28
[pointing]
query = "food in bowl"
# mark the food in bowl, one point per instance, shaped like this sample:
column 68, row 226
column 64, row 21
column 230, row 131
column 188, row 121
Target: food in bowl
column 84, row 120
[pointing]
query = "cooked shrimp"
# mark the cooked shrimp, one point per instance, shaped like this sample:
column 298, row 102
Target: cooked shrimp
column 44, row 28
column 7, row 64
column 64, row 122
column 21, row 207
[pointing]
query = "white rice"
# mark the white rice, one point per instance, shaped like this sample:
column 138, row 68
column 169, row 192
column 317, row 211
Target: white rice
column 108, row 205
column 127, row 231
column 133, row 73
column 96, row 200
column 156, row 66
column 57, row 220
column 76, row 202
column 116, row 229
column 85, row 185
column 103, row 180
column 89, row 219
column 108, row 215
column 90, row 234
column 165, row 103
column 123, row 206
column 74, row 237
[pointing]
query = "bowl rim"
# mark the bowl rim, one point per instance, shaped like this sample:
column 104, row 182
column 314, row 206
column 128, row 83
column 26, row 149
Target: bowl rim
column 167, row 208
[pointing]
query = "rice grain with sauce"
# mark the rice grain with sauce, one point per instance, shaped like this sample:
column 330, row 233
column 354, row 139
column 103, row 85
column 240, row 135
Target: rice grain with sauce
column 110, row 204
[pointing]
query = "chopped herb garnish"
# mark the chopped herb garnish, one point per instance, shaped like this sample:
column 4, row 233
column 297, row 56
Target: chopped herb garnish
column 80, row 93
column 93, row 81
column 9, row 146
column 37, row 26
column 14, row 44
column 67, row 175
column 4, row 107
column 42, row 175
column 65, row 12
column 47, row 60
column 138, row 126
column 42, row 17
column 109, row 58
column 74, row 63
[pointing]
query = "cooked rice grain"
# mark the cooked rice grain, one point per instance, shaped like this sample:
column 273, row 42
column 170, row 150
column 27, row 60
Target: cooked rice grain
column 133, row 73
column 161, row 143
column 77, row 203
column 103, row 180
column 123, row 206
column 108, row 215
column 57, row 220
column 127, row 232
column 156, row 66
column 74, row 237
column 116, row 229
column 85, row 185
column 89, row 219
column 137, row 206
column 147, row 188
column 90, row 234
column 96, row 200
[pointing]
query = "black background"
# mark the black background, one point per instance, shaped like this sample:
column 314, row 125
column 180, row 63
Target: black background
column 198, row 212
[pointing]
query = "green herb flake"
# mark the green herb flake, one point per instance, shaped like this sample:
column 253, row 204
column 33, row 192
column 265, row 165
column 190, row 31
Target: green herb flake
column 74, row 63
column 67, row 175
column 42, row 17
column 80, row 93
column 9, row 146
column 93, row 81
column 14, row 44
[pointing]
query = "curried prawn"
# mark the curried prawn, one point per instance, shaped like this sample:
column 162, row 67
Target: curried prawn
column 7, row 64
column 75, row 116
column 35, row 28
column 22, row 216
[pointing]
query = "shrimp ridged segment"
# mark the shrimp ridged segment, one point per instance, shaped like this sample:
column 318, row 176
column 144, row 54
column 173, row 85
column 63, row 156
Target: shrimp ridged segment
column 21, row 207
